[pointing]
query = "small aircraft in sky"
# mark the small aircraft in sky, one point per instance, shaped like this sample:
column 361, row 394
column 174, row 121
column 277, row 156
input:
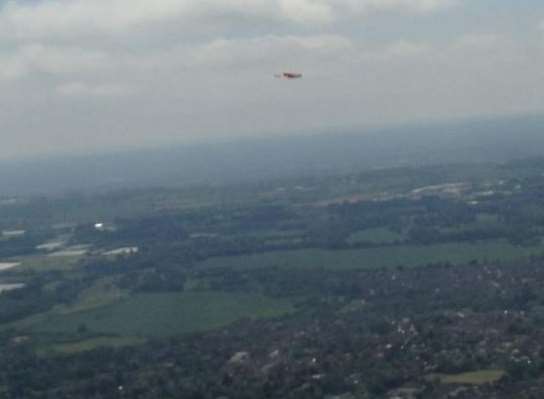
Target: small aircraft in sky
column 288, row 75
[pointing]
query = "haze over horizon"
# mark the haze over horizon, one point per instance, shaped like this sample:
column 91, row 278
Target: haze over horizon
column 95, row 75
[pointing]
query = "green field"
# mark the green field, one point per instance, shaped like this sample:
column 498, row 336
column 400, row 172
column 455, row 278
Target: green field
column 90, row 344
column 43, row 263
column 370, row 258
column 102, row 293
column 471, row 378
column 163, row 314
column 378, row 235
column 483, row 222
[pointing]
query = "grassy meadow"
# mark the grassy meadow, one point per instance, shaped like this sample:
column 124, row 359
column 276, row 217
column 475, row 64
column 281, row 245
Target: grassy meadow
column 381, row 257
column 162, row 314
column 471, row 378
column 378, row 235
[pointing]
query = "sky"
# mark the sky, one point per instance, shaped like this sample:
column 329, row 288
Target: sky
column 85, row 76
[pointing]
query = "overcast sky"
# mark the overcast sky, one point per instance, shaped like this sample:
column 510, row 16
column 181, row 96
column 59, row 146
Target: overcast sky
column 92, row 75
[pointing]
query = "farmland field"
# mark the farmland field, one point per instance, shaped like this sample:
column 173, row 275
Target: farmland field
column 92, row 343
column 41, row 263
column 471, row 378
column 375, row 236
column 165, row 314
column 102, row 293
column 371, row 258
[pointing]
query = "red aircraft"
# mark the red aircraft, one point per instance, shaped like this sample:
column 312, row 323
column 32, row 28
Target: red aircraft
column 288, row 75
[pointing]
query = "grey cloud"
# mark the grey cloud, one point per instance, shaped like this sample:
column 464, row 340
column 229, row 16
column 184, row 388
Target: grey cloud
column 90, row 74
column 77, row 89
column 73, row 18
column 51, row 59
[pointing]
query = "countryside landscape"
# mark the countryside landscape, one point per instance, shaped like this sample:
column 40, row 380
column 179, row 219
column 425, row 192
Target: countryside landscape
column 399, row 282
column 271, row 199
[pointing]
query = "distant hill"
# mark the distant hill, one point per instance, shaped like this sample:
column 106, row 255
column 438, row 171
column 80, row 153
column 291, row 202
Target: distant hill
column 485, row 140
